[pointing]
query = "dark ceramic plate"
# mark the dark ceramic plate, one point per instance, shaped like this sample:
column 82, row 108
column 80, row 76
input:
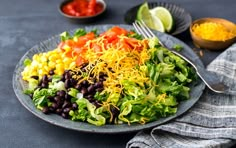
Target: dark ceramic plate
column 19, row 85
column 181, row 17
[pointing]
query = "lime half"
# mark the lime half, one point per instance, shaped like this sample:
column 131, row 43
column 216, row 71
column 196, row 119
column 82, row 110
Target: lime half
column 165, row 16
column 150, row 20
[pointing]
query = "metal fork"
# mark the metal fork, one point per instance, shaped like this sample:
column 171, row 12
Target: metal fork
column 209, row 78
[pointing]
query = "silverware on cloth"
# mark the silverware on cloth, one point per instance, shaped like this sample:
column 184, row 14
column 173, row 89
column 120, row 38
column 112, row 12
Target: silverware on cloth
column 211, row 122
column 209, row 78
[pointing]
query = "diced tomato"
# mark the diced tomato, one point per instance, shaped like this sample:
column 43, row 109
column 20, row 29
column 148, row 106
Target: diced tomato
column 92, row 4
column 76, row 48
column 80, row 50
column 69, row 54
column 118, row 30
column 96, row 48
column 79, row 60
column 61, row 45
column 112, row 34
column 83, row 39
column 123, row 45
column 91, row 7
column 133, row 43
column 70, row 43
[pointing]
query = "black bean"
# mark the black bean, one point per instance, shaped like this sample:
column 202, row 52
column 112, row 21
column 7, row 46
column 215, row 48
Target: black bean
column 66, row 71
column 84, row 65
column 102, row 79
column 78, row 86
column 35, row 77
column 96, row 103
column 50, row 98
column 98, row 84
column 67, row 75
column 85, row 83
column 67, row 83
column 101, row 74
column 66, row 110
column 60, row 103
column 64, row 115
column 74, row 106
column 58, row 111
column 45, row 110
column 67, row 97
column 91, row 89
column 66, row 104
column 45, row 78
column 44, row 85
column 73, row 81
column 93, row 80
column 63, row 78
column 115, row 112
column 91, row 100
column 83, row 69
column 54, row 105
column 99, row 89
column 51, row 109
column 57, row 98
column 51, row 72
column 61, row 93
column 84, row 91
column 89, row 96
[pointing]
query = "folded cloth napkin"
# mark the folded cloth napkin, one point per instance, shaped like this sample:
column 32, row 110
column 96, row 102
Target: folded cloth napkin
column 211, row 122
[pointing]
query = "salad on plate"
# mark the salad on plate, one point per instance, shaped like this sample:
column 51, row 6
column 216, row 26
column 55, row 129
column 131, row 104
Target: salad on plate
column 113, row 77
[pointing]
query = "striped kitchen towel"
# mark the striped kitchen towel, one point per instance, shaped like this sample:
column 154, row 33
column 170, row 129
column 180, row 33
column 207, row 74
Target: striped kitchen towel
column 211, row 122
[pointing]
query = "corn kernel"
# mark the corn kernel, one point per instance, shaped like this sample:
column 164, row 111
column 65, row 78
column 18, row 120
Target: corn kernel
column 51, row 65
column 53, row 58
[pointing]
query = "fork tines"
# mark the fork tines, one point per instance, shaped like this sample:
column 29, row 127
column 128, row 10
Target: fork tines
column 143, row 29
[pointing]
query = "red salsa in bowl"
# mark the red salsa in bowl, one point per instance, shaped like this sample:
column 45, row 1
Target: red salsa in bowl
column 82, row 9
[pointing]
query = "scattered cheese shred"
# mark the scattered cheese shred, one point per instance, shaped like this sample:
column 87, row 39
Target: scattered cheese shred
column 212, row 31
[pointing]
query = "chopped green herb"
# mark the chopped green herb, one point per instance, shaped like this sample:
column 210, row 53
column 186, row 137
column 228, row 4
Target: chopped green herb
column 178, row 47
column 135, row 35
column 80, row 32
column 27, row 62
column 65, row 36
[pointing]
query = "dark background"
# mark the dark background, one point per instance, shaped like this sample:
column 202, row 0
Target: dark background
column 24, row 23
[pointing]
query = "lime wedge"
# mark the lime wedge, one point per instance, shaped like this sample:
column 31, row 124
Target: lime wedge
column 150, row 20
column 165, row 16
column 158, row 25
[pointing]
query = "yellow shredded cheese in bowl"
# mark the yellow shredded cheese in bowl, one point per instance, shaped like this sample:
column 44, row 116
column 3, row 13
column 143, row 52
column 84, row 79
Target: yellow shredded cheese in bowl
column 212, row 31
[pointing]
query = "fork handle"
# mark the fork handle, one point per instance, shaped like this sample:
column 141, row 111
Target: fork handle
column 211, row 80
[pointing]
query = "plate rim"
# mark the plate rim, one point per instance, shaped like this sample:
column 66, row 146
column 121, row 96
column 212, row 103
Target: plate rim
column 89, row 128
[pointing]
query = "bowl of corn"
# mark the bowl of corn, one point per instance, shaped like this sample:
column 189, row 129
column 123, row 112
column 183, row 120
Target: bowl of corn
column 213, row 33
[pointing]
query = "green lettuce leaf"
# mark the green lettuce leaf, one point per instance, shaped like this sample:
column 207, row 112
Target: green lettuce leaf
column 89, row 113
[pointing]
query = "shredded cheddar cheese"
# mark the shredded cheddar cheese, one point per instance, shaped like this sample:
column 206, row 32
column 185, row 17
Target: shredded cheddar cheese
column 118, row 64
column 212, row 31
